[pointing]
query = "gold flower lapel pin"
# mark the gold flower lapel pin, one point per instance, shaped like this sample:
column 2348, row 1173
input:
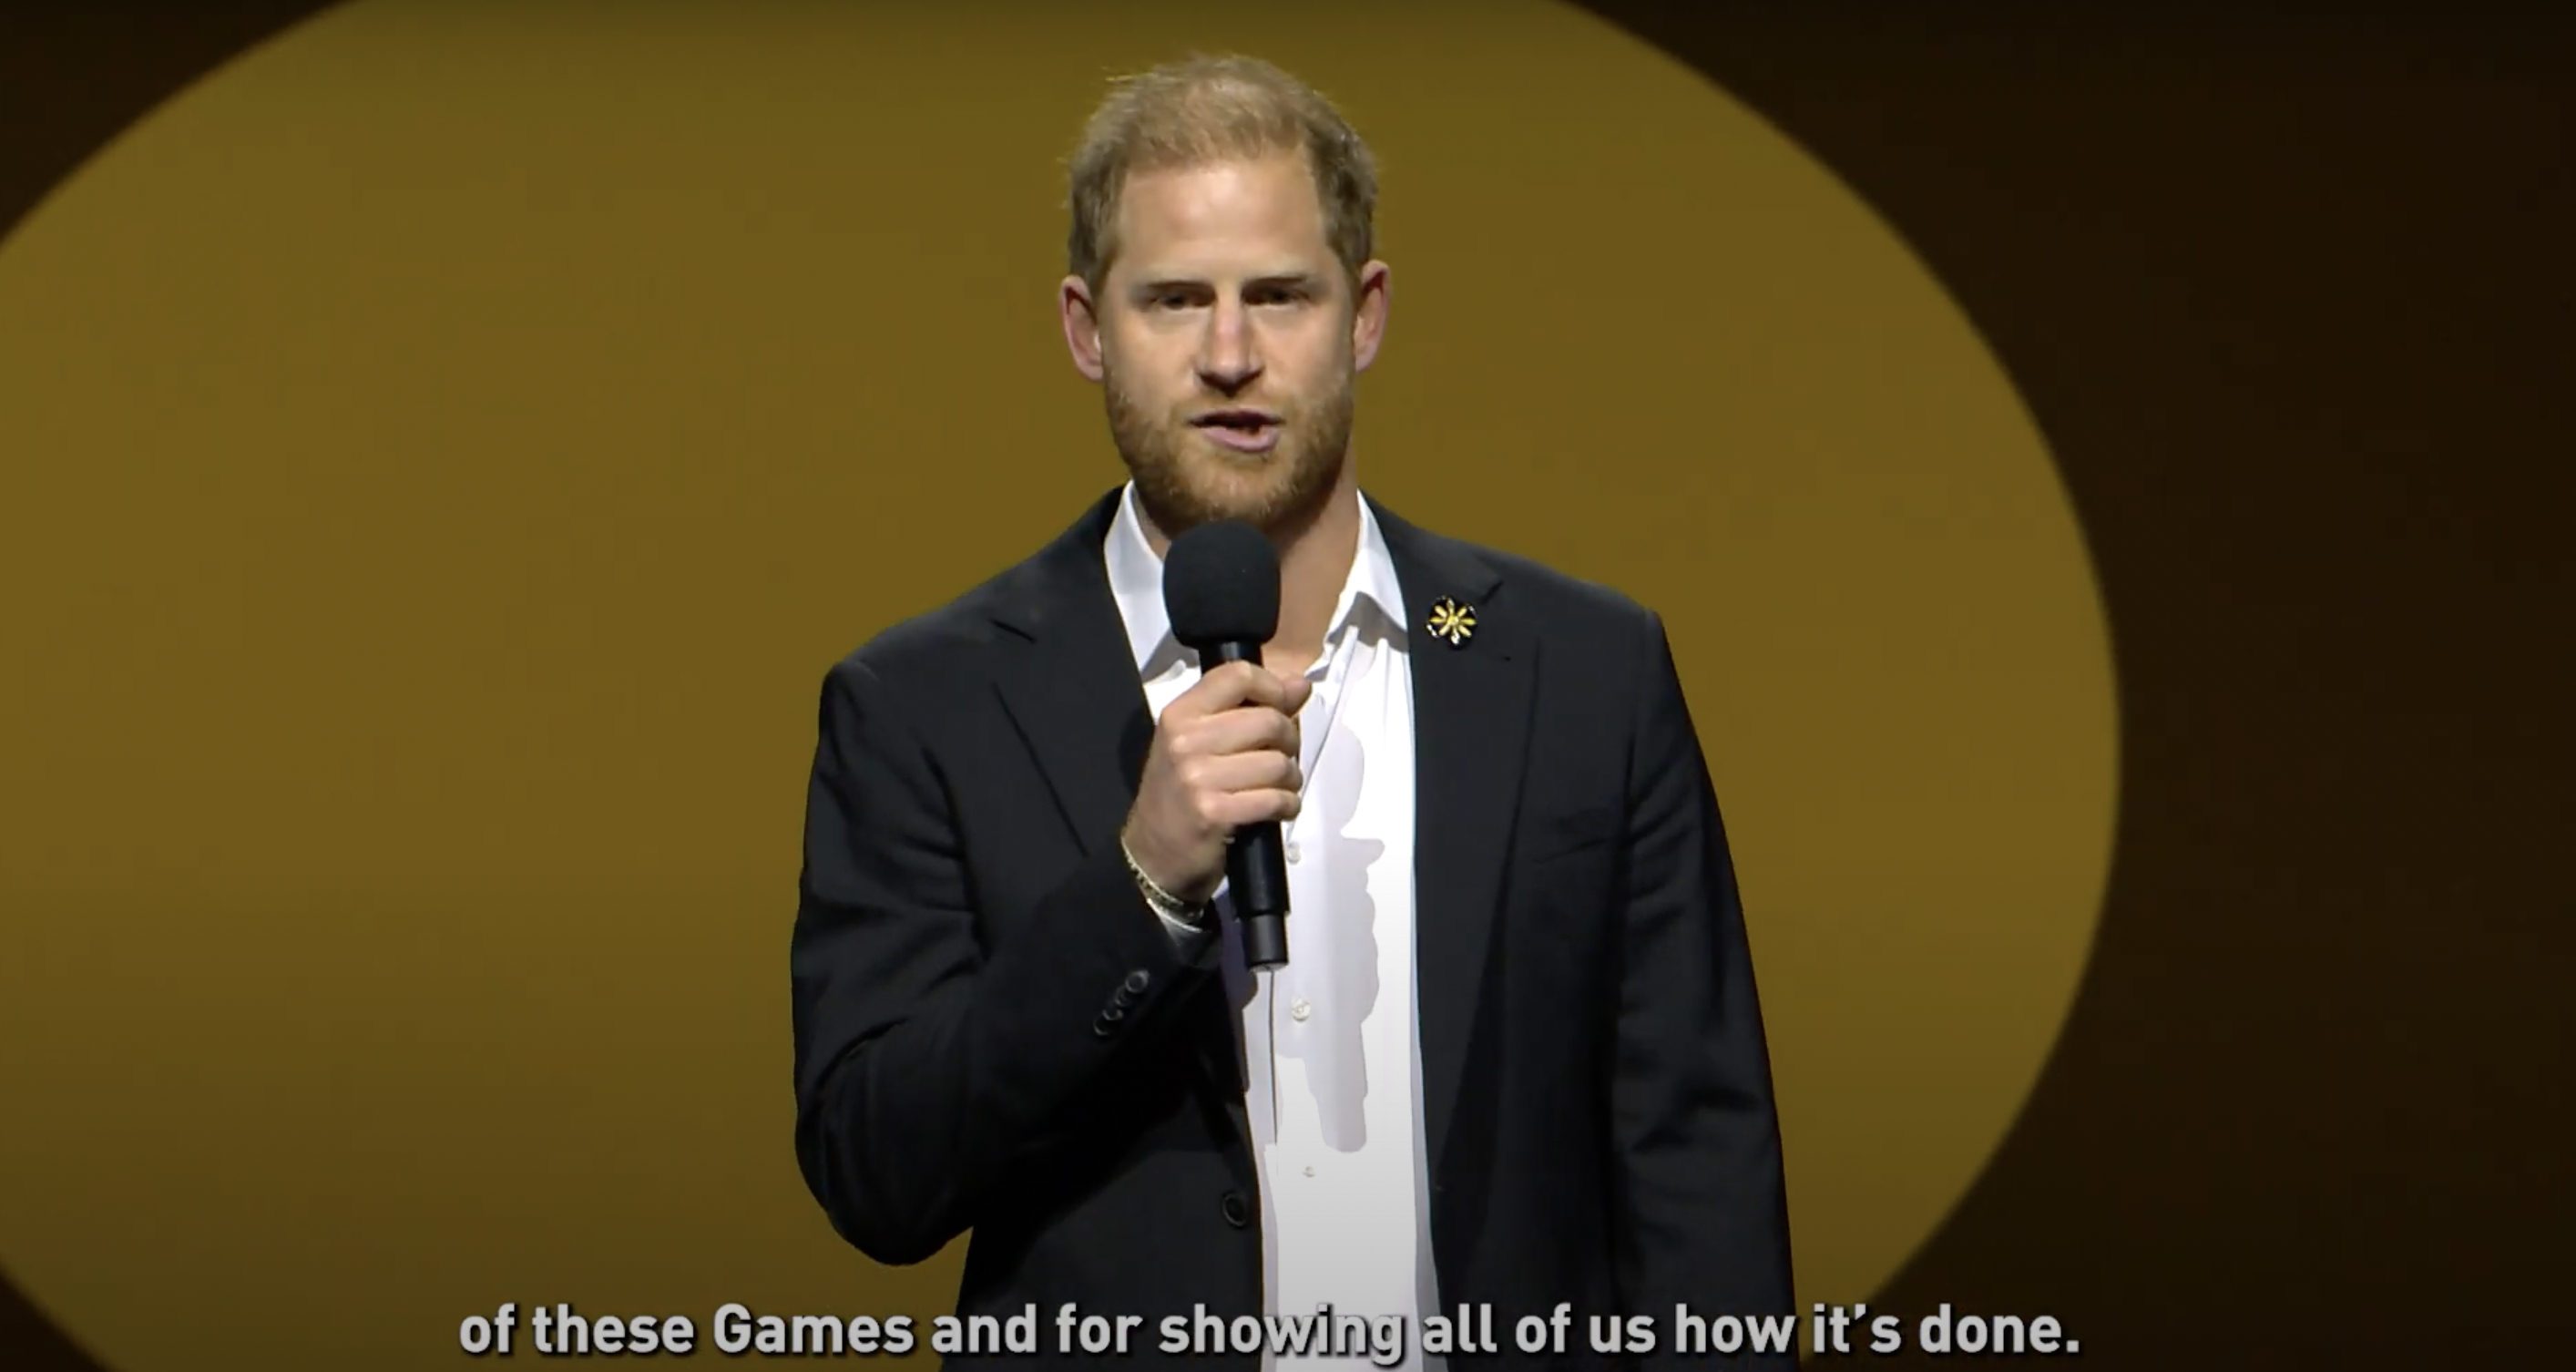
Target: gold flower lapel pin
column 1452, row 622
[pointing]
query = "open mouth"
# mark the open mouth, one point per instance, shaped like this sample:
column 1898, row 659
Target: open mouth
column 1244, row 430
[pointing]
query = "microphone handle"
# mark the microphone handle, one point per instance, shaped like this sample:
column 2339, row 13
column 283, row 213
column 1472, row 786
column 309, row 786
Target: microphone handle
column 1256, row 862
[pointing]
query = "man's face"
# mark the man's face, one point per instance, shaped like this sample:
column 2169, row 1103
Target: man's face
column 1227, row 337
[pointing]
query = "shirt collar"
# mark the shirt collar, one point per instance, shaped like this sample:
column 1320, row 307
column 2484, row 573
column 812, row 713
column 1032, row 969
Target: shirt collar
column 1136, row 580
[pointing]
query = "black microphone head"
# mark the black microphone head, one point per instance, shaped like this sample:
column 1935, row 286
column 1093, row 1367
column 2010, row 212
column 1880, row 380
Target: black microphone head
column 1221, row 585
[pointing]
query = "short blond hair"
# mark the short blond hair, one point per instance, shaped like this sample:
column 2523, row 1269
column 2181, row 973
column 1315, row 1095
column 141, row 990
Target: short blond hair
column 1205, row 109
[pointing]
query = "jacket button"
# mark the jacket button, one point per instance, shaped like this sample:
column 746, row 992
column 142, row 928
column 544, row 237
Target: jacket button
column 1237, row 1212
column 1137, row 981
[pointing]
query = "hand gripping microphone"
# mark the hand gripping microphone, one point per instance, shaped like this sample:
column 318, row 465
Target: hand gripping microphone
column 1221, row 590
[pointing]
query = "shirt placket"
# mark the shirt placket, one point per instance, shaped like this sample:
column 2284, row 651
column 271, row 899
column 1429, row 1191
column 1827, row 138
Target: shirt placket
column 1331, row 676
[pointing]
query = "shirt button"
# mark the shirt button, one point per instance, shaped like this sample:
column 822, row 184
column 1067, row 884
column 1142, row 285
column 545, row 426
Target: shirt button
column 1292, row 852
column 1310, row 1169
column 1299, row 1009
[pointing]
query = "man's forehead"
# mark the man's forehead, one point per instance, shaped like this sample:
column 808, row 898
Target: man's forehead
column 1229, row 195
column 1283, row 164
column 1217, row 226
column 1224, row 269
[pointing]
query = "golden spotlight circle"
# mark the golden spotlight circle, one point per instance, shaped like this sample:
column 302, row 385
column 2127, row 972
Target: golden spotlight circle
column 447, row 445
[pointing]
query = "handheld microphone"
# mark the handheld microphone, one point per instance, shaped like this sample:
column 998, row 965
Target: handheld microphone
column 1221, row 590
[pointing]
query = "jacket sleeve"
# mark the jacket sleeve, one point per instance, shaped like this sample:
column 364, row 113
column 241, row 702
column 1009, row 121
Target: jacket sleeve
column 1703, row 1217
column 928, row 1059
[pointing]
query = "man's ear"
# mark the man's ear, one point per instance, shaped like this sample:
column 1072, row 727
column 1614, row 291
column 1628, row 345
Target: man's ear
column 1081, row 327
column 1368, row 313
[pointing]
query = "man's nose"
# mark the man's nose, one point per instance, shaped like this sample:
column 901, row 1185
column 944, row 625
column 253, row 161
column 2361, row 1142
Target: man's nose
column 1229, row 361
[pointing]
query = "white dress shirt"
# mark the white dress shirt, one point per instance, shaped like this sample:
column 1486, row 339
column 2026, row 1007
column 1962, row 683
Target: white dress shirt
column 1330, row 1047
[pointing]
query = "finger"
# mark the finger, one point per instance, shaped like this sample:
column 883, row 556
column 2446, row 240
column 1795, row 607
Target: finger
column 1243, row 729
column 1261, row 686
column 1296, row 694
column 1202, row 780
column 1253, row 771
column 1241, row 808
column 1230, row 685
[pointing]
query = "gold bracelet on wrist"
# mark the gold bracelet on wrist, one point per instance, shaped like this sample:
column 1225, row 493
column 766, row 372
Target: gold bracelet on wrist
column 1164, row 902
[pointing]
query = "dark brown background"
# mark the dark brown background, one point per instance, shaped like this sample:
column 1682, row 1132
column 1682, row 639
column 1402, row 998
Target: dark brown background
column 2287, row 293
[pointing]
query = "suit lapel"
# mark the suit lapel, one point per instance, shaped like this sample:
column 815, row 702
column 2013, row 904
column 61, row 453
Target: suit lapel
column 1072, row 693
column 1071, row 690
column 1471, row 721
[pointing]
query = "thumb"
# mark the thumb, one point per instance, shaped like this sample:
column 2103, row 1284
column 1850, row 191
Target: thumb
column 1299, row 688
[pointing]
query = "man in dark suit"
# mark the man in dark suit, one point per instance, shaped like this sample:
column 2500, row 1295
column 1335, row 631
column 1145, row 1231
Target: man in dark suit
column 1515, row 1060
